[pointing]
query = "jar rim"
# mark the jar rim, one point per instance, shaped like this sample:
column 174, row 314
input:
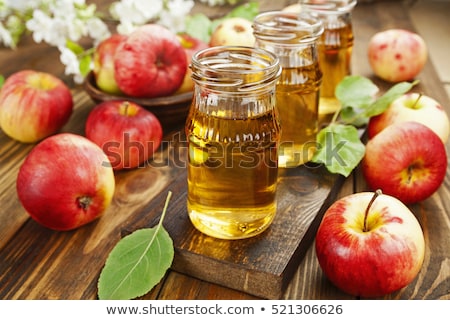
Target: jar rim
column 329, row 6
column 227, row 66
column 289, row 27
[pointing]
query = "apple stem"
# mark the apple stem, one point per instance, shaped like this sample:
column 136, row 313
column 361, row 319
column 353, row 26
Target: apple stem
column 84, row 202
column 417, row 100
column 375, row 195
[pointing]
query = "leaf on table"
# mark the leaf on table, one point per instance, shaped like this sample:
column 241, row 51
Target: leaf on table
column 137, row 263
column 339, row 148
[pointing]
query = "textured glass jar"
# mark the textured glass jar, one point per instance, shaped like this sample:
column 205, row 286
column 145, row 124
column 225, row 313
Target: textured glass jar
column 335, row 48
column 233, row 133
column 293, row 39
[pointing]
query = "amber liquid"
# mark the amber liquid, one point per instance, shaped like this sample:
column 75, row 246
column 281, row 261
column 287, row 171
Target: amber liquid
column 297, row 94
column 232, row 174
column 335, row 50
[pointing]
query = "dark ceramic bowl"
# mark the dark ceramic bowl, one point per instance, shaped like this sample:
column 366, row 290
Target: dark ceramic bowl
column 171, row 110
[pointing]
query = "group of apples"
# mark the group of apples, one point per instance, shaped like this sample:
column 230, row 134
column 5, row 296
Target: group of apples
column 67, row 180
column 370, row 243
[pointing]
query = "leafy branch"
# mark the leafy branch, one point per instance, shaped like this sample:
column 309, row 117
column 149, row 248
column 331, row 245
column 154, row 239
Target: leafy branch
column 340, row 147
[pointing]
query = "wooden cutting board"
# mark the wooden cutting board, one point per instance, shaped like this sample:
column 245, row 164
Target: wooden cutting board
column 263, row 265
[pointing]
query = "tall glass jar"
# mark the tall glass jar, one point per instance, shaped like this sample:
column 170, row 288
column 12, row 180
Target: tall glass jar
column 293, row 38
column 335, row 48
column 233, row 133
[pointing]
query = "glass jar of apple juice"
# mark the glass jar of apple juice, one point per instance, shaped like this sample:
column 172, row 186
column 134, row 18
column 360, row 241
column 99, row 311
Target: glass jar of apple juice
column 233, row 133
column 293, row 39
column 335, row 48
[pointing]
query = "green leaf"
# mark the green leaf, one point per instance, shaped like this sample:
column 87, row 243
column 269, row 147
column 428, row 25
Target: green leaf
column 355, row 93
column 247, row 11
column 85, row 64
column 199, row 26
column 2, row 81
column 74, row 47
column 137, row 263
column 383, row 102
column 339, row 148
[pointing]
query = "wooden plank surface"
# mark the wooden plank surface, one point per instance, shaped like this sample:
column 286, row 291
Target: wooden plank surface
column 36, row 263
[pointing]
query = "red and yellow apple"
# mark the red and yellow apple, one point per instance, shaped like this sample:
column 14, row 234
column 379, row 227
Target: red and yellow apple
column 150, row 63
column 34, row 105
column 66, row 181
column 103, row 68
column 126, row 132
column 413, row 107
column 191, row 45
column 370, row 244
column 234, row 31
column 406, row 160
column 397, row 55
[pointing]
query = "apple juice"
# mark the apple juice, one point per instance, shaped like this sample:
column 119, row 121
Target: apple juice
column 232, row 174
column 293, row 38
column 335, row 51
column 233, row 134
column 297, row 104
column 335, row 48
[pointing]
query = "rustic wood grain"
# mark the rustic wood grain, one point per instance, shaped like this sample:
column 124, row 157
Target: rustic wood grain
column 37, row 263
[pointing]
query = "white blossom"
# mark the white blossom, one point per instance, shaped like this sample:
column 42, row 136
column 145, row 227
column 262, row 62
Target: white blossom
column 175, row 16
column 72, row 65
column 5, row 36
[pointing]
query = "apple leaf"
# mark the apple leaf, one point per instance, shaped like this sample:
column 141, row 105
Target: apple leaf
column 339, row 148
column 339, row 144
column 137, row 263
column 2, row 81
column 199, row 26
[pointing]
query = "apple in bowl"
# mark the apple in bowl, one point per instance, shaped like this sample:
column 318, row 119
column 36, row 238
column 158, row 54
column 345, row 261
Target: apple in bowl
column 370, row 244
column 150, row 63
column 103, row 68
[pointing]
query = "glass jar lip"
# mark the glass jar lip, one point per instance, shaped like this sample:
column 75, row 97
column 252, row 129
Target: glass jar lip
column 225, row 66
column 329, row 6
column 285, row 26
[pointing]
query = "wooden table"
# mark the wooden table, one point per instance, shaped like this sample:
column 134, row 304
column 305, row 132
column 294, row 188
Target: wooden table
column 37, row 263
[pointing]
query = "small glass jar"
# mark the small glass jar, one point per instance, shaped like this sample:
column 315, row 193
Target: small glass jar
column 233, row 133
column 335, row 48
column 293, row 39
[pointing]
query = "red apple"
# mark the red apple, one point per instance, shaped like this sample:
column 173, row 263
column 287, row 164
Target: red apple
column 127, row 133
column 34, row 105
column 397, row 55
column 370, row 245
column 235, row 31
column 406, row 160
column 150, row 63
column 65, row 182
column 413, row 107
column 104, row 64
column 191, row 45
